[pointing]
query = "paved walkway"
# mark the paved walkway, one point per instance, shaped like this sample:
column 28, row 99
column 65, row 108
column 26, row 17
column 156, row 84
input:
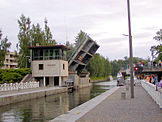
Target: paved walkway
column 114, row 109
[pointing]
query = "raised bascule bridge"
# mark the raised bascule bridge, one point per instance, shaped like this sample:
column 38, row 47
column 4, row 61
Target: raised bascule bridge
column 82, row 53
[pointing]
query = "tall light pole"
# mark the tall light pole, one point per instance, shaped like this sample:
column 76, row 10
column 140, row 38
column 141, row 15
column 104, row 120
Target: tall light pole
column 130, row 53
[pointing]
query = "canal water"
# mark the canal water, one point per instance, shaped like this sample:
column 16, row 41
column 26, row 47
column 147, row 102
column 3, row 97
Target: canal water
column 47, row 108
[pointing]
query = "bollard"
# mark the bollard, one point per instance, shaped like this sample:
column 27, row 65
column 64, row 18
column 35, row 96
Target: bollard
column 123, row 95
column 127, row 87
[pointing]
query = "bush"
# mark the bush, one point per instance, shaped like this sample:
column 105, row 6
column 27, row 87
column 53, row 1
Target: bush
column 13, row 75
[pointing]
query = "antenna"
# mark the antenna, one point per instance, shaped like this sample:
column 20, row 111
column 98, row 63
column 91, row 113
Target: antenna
column 66, row 29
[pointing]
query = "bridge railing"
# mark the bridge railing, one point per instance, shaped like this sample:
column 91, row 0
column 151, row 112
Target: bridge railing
column 155, row 93
column 152, row 68
column 17, row 86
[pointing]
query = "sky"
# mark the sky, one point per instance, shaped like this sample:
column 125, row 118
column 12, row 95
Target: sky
column 105, row 21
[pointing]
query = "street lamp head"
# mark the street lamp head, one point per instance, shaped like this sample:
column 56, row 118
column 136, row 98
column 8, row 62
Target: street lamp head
column 125, row 35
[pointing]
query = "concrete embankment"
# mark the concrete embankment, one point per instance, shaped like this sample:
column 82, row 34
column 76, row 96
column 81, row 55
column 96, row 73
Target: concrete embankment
column 15, row 96
column 85, row 85
column 22, row 95
column 111, row 107
column 81, row 110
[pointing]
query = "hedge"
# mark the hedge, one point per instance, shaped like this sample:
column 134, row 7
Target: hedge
column 13, row 75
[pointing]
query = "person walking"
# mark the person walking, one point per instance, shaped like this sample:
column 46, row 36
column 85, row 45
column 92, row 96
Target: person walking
column 149, row 64
column 154, row 63
column 143, row 63
column 160, row 83
column 159, row 63
column 155, row 80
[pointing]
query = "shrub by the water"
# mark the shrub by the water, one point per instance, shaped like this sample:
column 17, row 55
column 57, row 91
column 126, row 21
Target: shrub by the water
column 13, row 75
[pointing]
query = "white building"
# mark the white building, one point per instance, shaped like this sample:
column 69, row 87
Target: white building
column 49, row 65
column 10, row 61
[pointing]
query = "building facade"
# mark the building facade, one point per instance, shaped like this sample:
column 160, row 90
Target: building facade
column 49, row 65
column 10, row 61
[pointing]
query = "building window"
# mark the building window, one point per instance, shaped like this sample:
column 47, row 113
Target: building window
column 40, row 66
column 11, row 56
column 63, row 66
column 46, row 55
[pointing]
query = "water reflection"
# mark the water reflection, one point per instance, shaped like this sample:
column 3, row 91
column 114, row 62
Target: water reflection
column 44, row 109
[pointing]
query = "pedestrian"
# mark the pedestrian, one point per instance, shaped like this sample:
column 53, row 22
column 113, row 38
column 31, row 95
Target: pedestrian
column 152, row 79
column 149, row 64
column 143, row 63
column 148, row 78
column 155, row 80
column 154, row 63
column 159, row 63
column 160, row 83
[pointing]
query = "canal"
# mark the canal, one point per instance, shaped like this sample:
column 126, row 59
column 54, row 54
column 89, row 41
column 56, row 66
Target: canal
column 47, row 108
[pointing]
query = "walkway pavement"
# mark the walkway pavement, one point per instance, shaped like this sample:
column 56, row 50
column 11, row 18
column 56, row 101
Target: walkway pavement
column 114, row 109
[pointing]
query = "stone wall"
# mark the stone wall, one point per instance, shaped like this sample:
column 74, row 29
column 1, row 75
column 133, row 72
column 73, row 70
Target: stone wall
column 79, row 82
column 19, row 97
column 155, row 94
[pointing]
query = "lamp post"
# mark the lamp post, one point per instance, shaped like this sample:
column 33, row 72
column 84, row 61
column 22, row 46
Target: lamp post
column 130, row 53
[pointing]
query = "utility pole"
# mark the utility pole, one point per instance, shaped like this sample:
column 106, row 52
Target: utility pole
column 130, row 52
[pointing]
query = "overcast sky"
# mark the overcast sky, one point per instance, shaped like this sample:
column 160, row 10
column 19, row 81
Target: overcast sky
column 104, row 20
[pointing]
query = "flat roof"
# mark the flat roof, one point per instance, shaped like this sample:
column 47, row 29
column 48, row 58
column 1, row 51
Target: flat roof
column 50, row 47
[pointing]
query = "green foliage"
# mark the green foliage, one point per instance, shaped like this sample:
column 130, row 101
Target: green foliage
column 99, row 78
column 99, row 66
column 116, row 65
column 24, row 40
column 30, row 36
column 4, row 45
column 70, row 46
column 13, row 75
column 157, row 49
column 41, row 37
column 79, row 38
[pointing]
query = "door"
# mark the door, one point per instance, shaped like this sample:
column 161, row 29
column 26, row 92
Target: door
column 56, row 81
column 47, row 81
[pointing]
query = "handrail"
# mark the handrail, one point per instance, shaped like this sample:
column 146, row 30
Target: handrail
column 17, row 86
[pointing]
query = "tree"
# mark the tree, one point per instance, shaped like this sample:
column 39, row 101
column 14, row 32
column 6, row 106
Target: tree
column 79, row 38
column 157, row 49
column 69, row 52
column 37, row 35
column 24, row 40
column 30, row 36
column 116, row 65
column 41, row 37
column 99, row 66
column 48, row 35
column 4, row 45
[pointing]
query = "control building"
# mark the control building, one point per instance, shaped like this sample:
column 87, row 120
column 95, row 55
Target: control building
column 49, row 65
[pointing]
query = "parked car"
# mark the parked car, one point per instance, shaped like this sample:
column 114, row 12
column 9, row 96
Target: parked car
column 69, row 82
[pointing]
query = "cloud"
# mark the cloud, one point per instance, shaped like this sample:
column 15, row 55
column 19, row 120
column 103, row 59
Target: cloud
column 104, row 20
